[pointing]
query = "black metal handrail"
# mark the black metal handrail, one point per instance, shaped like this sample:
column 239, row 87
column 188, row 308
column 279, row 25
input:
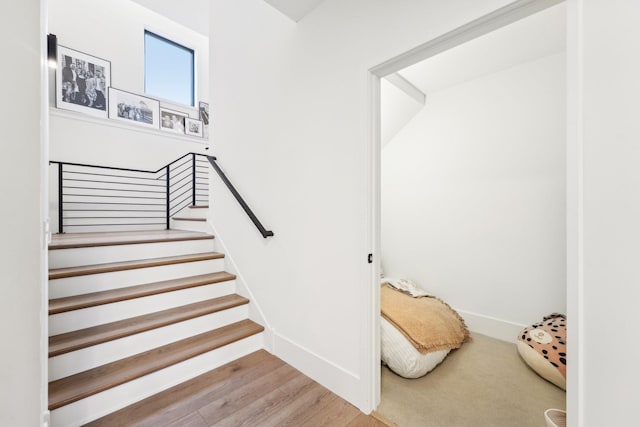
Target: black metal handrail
column 265, row 233
column 117, row 194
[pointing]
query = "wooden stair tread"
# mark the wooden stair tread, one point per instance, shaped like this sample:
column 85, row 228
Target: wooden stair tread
column 82, row 338
column 76, row 302
column 185, row 218
column 84, row 384
column 60, row 273
column 88, row 240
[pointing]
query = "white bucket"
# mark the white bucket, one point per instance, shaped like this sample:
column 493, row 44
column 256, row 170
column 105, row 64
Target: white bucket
column 555, row 418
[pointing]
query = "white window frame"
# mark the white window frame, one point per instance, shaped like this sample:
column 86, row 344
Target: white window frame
column 180, row 42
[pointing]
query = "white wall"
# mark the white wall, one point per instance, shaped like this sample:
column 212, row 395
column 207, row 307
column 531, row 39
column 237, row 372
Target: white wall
column 513, row 44
column 183, row 12
column 21, row 254
column 397, row 109
column 473, row 197
column 292, row 132
column 114, row 30
column 605, row 104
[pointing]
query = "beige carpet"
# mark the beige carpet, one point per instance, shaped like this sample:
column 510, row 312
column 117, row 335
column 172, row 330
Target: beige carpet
column 483, row 384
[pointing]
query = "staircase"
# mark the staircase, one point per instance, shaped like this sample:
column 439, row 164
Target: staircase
column 135, row 313
column 191, row 219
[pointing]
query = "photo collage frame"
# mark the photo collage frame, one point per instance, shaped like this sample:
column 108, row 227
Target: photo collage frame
column 83, row 84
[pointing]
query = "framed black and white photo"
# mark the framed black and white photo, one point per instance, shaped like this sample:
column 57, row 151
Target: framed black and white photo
column 203, row 114
column 172, row 121
column 133, row 108
column 193, row 127
column 81, row 82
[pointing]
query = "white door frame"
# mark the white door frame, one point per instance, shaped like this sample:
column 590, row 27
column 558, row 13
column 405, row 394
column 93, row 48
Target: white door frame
column 499, row 18
column 45, row 73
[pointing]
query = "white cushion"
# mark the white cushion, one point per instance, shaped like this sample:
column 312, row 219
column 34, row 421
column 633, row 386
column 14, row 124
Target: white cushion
column 402, row 357
column 405, row 285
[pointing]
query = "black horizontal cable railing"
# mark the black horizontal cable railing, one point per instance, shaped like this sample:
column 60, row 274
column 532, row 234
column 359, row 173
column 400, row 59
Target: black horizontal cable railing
column 91, row 196
column 265, row 233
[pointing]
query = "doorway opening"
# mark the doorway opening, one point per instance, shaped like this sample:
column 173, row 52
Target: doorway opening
column 470, row 188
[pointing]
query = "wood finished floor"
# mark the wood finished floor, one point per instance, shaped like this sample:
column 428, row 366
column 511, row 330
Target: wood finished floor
column 258, row 390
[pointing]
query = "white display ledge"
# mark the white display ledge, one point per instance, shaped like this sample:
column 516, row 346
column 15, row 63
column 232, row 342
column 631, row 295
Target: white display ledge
column 72, row 115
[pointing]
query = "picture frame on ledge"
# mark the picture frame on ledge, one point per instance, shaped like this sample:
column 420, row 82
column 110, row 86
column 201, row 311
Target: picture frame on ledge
column 82, row 82
column 203, row 114
column 134, row 109
column 172, row 121
column 193, row 127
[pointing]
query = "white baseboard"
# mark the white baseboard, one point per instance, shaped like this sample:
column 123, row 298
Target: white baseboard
column 493, row 327
column 340, row 381
column 242, row 288
column 345, row 384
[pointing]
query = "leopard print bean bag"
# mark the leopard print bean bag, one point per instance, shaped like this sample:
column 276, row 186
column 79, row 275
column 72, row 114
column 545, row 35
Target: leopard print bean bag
column 543, row 346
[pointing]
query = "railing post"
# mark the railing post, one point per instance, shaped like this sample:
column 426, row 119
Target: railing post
column 60, row 200
column 193, row 179
column 168, row 198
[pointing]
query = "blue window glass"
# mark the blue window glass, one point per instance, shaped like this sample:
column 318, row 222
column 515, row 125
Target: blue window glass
column 168, row 70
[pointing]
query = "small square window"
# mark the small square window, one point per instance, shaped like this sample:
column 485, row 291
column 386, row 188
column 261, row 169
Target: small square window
column 168, row 70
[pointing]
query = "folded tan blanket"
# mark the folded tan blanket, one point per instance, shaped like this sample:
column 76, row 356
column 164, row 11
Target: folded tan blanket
column 428, row 323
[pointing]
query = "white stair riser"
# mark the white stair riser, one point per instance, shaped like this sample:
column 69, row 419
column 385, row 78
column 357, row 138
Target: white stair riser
column 69, row 286
column 93, row 316
column 101, row 354
column 63, row 258
column 112, row 228
column 193, row 213
column 98, row 405
column 197, row 213
column 189, row 225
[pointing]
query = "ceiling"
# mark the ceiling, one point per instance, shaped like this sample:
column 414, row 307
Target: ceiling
column 531, row 38
column 194, row 14
column 295, row 9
